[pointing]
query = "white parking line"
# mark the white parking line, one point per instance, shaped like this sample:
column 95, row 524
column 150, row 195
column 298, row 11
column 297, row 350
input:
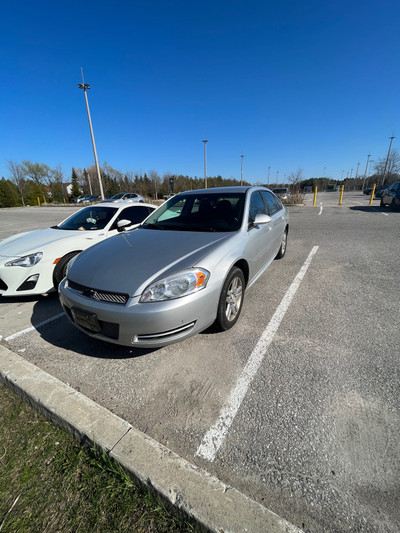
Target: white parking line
column 320, row 210
column 215, row 436
column 32, row 328
column 386, row 214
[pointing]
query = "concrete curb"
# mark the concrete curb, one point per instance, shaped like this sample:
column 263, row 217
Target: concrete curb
column 215, row 506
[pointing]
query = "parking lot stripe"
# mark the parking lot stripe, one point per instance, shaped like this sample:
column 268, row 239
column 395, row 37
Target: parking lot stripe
column 32, row 328
column 215, row 436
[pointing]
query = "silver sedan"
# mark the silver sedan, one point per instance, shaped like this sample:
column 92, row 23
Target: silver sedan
column 186, row 267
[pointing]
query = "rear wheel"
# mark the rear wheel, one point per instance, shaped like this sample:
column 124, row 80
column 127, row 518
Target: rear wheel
column 282, row 249
column 231, row 300
column 61, row 268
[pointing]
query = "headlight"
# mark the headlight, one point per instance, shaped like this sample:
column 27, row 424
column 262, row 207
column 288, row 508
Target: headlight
column 176, row 286
column 26, row 261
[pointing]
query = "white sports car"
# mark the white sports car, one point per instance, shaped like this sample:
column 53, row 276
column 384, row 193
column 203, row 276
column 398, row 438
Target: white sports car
column 35, row 262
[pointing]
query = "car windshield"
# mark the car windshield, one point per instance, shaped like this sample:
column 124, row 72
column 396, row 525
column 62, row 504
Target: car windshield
column 199, row 212
column 118, row 196
column 89, row 218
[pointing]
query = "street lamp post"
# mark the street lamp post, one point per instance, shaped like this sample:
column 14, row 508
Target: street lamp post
column 366, row 168
column 85, row 87
column 205, row 163
column 387, row 158
column 269, row 170
column 241, row 171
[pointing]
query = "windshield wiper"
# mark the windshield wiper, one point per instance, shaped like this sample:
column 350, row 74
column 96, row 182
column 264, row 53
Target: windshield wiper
column 54, row 227
column 192, row 228
column 154, row 226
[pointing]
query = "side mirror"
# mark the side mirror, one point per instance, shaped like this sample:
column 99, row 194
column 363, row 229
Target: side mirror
column 261, row 218
column 122, row 224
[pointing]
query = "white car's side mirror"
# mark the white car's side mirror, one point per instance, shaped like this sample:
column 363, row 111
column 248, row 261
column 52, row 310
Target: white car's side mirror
column 122, row 224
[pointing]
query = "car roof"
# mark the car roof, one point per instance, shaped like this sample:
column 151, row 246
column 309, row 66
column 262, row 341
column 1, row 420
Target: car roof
column 221, row 190
column 122, row 203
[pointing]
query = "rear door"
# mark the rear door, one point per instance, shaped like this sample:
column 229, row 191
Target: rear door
column 276, row 211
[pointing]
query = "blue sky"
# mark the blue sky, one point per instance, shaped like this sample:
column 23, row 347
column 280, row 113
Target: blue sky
column 311, row 85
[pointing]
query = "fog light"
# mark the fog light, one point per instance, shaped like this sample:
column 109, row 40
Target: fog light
column 29, row 283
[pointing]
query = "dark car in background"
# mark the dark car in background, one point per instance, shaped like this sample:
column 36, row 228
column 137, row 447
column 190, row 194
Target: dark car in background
column 391, row 196
column 281, row 192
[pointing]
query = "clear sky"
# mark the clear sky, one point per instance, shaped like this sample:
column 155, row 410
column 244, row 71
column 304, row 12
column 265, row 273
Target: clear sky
column 296, row 84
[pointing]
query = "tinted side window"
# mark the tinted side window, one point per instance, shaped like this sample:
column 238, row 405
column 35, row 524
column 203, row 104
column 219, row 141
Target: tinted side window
column 256, row 206
column 135, row 214
column 273, row 204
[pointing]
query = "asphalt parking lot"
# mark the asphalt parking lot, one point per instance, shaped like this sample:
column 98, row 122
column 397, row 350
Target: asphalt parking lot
column 302, row 394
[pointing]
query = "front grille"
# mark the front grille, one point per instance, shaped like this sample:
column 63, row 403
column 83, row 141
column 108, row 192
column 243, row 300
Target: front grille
column 3, row 286
column 108, row 329
column 97, row 294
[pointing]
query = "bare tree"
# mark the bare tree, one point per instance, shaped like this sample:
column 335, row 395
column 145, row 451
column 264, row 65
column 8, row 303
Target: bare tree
column 392, row 168
column 17, row 175
column 56, row 179
column 37, row 172
column 155, row 181
column 295, row 178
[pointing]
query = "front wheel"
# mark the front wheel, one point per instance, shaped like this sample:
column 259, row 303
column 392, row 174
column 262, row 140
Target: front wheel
column 61, row 268
column 231, row 300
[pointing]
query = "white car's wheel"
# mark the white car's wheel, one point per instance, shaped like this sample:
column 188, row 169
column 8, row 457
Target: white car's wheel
column 61, row 268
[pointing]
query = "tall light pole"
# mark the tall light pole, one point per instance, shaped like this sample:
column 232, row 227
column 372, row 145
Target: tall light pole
column 366, row 168
column 269, row 170
column 241, row 171
column 387, row 158
column 358, row 165
column 205, row 163
column 85, row 87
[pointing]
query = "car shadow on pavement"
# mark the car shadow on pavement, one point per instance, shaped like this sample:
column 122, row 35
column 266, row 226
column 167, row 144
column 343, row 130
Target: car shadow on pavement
column 61, row 333
column 372, row 209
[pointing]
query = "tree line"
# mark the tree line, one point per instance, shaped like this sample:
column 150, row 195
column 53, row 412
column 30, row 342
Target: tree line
column 29, row 183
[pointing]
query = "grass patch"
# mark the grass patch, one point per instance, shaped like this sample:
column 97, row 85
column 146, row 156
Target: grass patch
column 48, row 482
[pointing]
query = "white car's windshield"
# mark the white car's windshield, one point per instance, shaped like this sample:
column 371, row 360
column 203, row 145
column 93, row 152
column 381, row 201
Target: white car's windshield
column 202, row 212
column 90, row 218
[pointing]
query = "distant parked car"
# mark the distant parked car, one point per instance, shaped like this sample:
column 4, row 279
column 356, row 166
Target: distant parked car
column 281, row 192
column 81, row 199
column 378, row 190
column 391, row 196
column 127, row 196
column 92, row 198
column 168, row 196
column 35, row 262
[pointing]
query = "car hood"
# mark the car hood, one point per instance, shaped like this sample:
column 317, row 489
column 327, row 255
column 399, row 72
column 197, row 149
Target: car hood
column 128, row 262
column 35, row 241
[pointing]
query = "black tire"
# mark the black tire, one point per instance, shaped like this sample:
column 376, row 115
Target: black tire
column 61, row 268
column 231, row 300
column 282, row 249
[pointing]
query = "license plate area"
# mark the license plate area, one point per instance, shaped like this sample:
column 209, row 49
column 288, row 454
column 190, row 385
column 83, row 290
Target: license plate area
column 86, row 319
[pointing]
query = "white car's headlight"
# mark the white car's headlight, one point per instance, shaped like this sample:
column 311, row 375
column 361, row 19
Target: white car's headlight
column 176, row 286
column 26, row 260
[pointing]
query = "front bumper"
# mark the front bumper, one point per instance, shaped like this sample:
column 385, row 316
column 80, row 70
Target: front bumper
column 144, row 325
column 13, row 278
